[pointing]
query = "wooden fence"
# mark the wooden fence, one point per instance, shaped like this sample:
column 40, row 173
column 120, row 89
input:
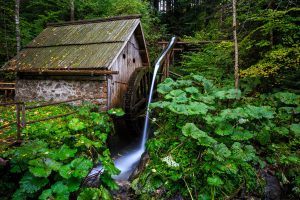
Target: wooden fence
column 21, row 110
column 8, row 89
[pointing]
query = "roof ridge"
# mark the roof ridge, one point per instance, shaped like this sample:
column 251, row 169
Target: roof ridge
column 116, row 18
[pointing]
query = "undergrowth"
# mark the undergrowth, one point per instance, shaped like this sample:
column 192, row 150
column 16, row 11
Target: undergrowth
column 215, row 143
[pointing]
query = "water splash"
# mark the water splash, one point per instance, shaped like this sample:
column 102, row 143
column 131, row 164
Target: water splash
column 129, row 160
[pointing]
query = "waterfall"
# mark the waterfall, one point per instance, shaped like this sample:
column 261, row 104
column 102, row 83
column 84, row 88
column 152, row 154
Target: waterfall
column 130, row 159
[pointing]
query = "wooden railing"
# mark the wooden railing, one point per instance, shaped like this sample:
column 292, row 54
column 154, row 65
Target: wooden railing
column 21, row 110
column 7, row 88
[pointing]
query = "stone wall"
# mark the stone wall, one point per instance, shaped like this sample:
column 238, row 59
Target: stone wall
column 60, row 90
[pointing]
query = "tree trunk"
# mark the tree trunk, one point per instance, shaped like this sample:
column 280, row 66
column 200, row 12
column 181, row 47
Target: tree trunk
column 236, row 48
column 72, row 14
column 17, row 22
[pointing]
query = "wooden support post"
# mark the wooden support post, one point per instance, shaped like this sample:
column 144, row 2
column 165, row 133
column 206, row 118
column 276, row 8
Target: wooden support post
column 23, row 116
column 18, row 121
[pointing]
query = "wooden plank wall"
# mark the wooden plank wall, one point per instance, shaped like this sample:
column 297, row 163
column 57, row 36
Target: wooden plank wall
column 126, row 63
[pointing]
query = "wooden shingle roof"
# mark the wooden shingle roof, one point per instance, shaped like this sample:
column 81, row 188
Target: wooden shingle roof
column 81, row 45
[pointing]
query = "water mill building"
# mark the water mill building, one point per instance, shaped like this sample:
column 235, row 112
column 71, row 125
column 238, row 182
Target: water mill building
column 89, row 58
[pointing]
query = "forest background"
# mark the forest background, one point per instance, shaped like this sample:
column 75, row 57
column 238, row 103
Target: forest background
column 217, row 142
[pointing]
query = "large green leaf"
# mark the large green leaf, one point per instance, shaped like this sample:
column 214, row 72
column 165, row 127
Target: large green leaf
column 241, row 134
column 32, row 184
column 192, row 90
column 58, row 191
column 296, row 129
column 215, row 181
column 228, row 94
column 180, row 109
column 76, row 125
column 81, row 167
column 39, row 167
column 191, row 130
column 63, row 153
column 90, row 194
column 197, row 108
column 288, row 98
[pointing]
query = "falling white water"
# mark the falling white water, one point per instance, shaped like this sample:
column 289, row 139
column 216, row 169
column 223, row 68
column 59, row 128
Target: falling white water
column 129, row 160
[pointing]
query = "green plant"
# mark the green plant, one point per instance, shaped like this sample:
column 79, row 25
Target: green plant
column 57, row 155
column 206, row 142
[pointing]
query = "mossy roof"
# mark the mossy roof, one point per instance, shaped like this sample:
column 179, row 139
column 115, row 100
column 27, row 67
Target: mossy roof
column 85, row 45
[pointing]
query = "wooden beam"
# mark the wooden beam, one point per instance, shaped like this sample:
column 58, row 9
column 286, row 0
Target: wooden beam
column 66, row 72
column 95, row 20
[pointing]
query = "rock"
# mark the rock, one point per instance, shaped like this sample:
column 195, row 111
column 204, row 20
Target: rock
column 124, row 191
column 141, row 166
column 272, row 189
column 3, row 162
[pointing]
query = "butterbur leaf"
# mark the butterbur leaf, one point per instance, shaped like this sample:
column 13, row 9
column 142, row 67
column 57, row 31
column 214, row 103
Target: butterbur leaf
column 19, row 195
column 224, row 129
column 192, row 90
column 81, row 167
column 221, row 150
column 206, row 141
column 191, row 130
column 90, row 194
column 182, row 83
column 228, row 94
column 76, row 125
column 105, row 194
column 178, row 108
column 240, row 135
column 46, row 194
column 58, row 191
column 32, row 184
column 73, row 184
column 108, row 181
column 288, row 98
column 66, row 171
column 116, row 111
column 197, row 108
column 207, row 85
column 160, row 104
column 176, row 94
column 215, row 181
column 259, row 112
column 295, row 128
column 61, row 190
column 164, row 88
column 39, row 168
column 63, row 153
column 282, row 131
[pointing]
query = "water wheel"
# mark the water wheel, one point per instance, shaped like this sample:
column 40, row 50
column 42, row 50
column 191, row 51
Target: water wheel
column 138, row 91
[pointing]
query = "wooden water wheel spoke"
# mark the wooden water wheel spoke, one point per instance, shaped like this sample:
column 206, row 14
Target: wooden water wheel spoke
column 138, row 91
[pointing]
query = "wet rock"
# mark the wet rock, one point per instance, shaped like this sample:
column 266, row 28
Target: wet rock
column 141, row 166
column 272, row 189
column 3, row 162
column 176, row 197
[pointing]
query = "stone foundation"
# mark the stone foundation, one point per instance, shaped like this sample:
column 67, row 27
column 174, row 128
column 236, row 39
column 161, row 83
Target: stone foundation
column 60, row 90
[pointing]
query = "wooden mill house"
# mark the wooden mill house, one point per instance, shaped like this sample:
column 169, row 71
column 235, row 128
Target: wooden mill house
column 92, row 59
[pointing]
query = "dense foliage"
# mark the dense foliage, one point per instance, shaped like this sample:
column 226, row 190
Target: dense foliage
column 211, row 143
column 57, row 155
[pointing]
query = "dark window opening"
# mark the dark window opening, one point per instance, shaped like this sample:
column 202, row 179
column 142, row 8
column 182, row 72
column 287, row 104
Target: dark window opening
column 124, row 56
column 133, row 60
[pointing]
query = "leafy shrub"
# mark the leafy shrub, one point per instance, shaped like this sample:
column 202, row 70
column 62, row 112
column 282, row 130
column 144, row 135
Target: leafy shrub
column 211, row 142
column 57, row 155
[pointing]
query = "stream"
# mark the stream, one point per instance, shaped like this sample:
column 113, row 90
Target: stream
column 130, row 156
